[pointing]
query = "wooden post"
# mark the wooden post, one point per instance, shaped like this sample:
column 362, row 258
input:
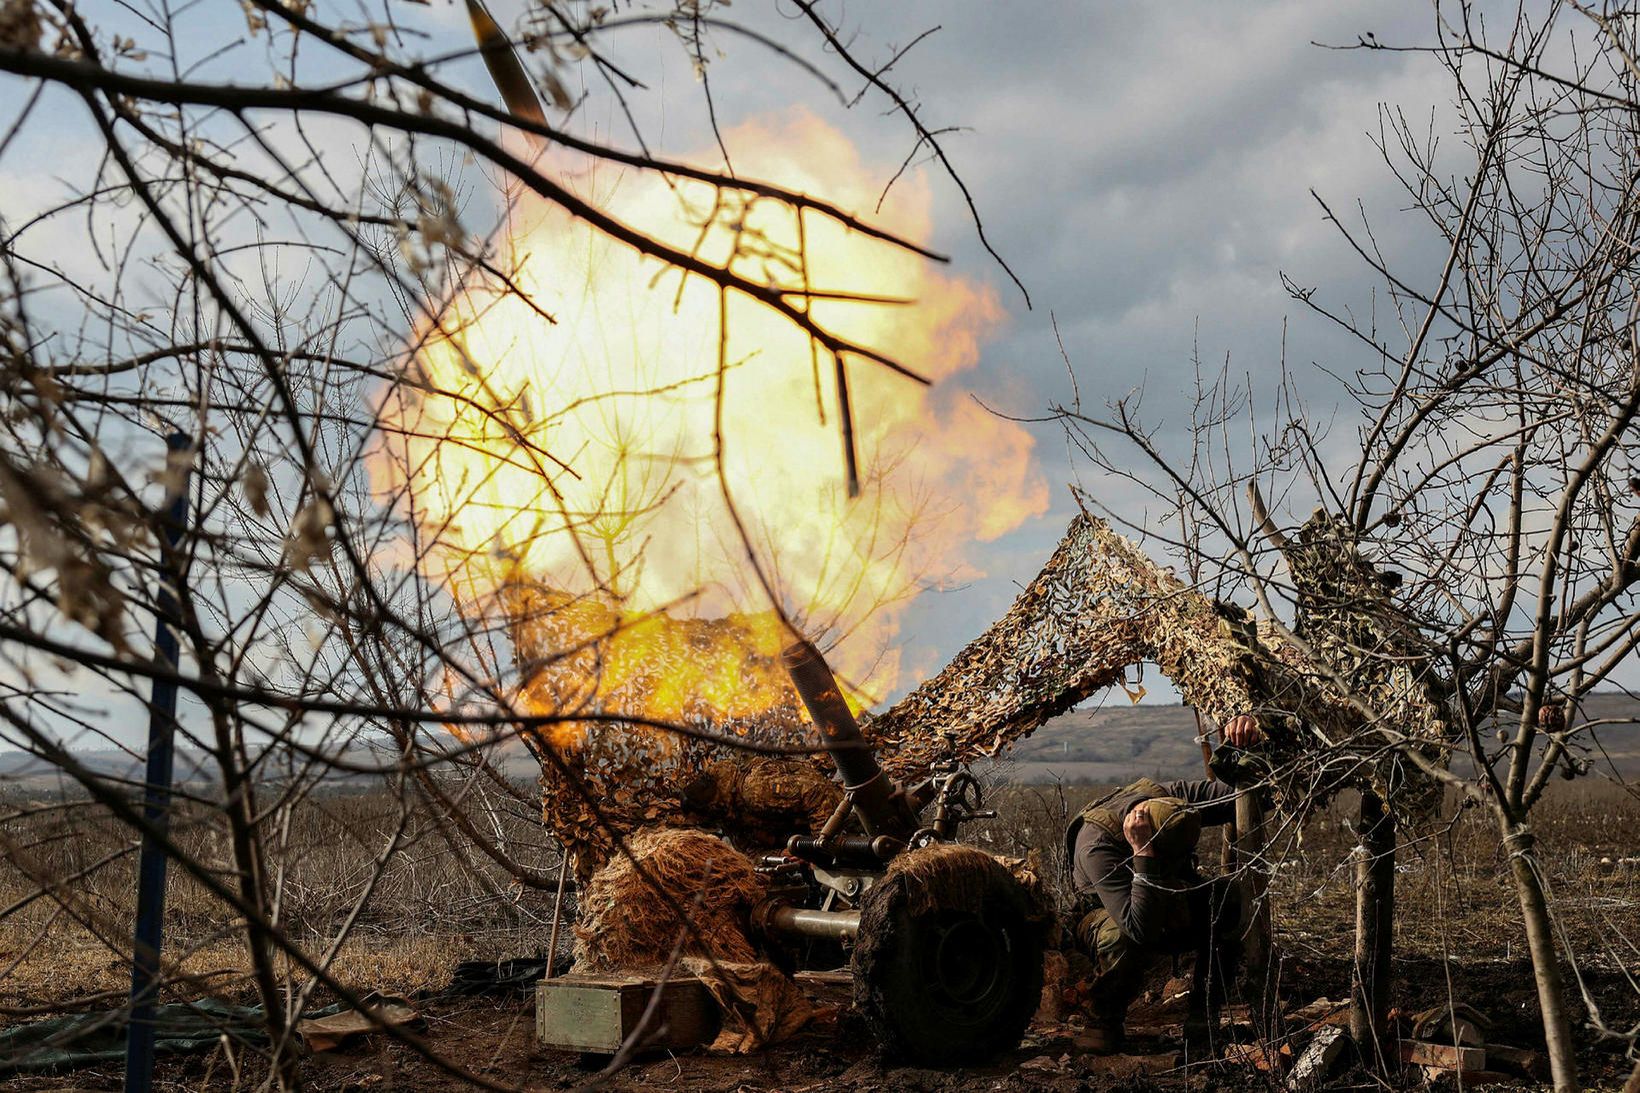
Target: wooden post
column 1374, row 927
column 1256, row 940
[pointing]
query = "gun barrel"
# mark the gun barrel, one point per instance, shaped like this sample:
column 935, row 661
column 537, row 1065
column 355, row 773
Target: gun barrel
column 877, row 800
column 784, row 920
column 818, row 689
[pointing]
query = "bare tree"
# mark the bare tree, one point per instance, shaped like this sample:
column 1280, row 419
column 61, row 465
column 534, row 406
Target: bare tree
column 265, row 253
column 1480, row 527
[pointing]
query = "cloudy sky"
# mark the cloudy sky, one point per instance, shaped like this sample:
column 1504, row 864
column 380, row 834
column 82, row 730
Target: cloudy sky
column 1146, row 170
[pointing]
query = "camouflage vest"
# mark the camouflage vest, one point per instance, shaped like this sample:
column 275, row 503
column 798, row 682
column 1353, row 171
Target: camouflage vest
column 1107, row 814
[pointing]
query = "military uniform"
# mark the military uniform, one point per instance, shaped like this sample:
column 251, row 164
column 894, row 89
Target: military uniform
column 1134, row 910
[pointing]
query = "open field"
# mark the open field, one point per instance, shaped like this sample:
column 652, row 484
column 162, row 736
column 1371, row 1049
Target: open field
column 1459, row 936
column 429, row 906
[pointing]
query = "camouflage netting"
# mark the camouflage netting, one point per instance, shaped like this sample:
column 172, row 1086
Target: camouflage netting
column 768, row 799
column 761, row 800
column 954, row 877
column 1348, row 619
column 760, row 1004
column 1099, row 606
column 623, row 924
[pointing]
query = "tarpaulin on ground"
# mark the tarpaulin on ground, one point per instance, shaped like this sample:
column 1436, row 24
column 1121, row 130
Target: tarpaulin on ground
column 84, row 1039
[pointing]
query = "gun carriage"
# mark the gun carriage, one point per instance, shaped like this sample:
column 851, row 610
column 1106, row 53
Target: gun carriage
column 946, row 944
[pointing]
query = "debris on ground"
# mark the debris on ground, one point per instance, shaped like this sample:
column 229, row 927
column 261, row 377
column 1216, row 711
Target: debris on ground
column 1442, row 1056
column 1519, row 1060
column 376, row 1013
column 1118, row 1068
column 1044, row 1065
column 513, row 976
column 1318, row 1059
column 87, row 1039
column 1259, row 1057
column 1452, row 1043
column 1459, row 1023
column 1323, row 1011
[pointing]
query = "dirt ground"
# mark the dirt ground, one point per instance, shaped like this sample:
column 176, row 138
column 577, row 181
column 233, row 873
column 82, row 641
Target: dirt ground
column 494, row 1039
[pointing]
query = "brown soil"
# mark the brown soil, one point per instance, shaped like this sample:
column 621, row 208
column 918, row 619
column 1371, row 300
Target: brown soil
column 495, row 1041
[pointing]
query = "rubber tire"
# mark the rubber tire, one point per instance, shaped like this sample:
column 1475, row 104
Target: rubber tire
column 992, row 957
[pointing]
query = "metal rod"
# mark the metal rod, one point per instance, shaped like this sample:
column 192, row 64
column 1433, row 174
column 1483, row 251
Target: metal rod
column 557, row 911
column 156, row 807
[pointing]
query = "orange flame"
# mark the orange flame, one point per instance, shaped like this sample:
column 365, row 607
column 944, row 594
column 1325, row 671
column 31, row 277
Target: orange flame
column 629, row 538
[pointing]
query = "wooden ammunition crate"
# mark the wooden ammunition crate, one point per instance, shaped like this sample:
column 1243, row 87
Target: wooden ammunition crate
column 596, row 1013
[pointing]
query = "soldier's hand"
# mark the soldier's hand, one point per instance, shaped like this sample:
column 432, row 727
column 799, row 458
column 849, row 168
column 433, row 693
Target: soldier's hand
column 1139, row 830
column 1242, row 731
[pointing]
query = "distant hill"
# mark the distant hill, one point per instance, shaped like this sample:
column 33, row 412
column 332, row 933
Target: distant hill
column 1110, row 743
column 1118, row 742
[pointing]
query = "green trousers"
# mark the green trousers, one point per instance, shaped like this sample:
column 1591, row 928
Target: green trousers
column 1208, row 920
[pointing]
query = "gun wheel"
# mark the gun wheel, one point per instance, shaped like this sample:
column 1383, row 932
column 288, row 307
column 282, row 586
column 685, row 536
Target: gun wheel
column 948, row 962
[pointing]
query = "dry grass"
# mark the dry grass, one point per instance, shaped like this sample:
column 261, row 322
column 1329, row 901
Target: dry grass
column 68, row 882
column 1458, row 927
column 1455, row 895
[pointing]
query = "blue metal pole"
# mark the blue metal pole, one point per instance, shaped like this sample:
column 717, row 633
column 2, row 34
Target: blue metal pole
column 162, row 723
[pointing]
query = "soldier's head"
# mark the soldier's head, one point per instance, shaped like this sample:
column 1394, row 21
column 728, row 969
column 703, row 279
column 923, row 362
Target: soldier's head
column 1177, row 827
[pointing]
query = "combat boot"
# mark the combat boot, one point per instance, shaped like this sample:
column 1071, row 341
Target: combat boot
column 1102, row 1038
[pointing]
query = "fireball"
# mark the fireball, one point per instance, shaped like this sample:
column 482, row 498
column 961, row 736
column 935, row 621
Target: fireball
column 634, row 470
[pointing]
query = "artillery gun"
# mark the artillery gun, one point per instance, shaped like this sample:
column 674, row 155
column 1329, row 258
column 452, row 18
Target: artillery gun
column 946, row 944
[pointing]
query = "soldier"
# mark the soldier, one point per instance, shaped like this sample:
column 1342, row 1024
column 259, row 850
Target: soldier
column 1140, row 896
